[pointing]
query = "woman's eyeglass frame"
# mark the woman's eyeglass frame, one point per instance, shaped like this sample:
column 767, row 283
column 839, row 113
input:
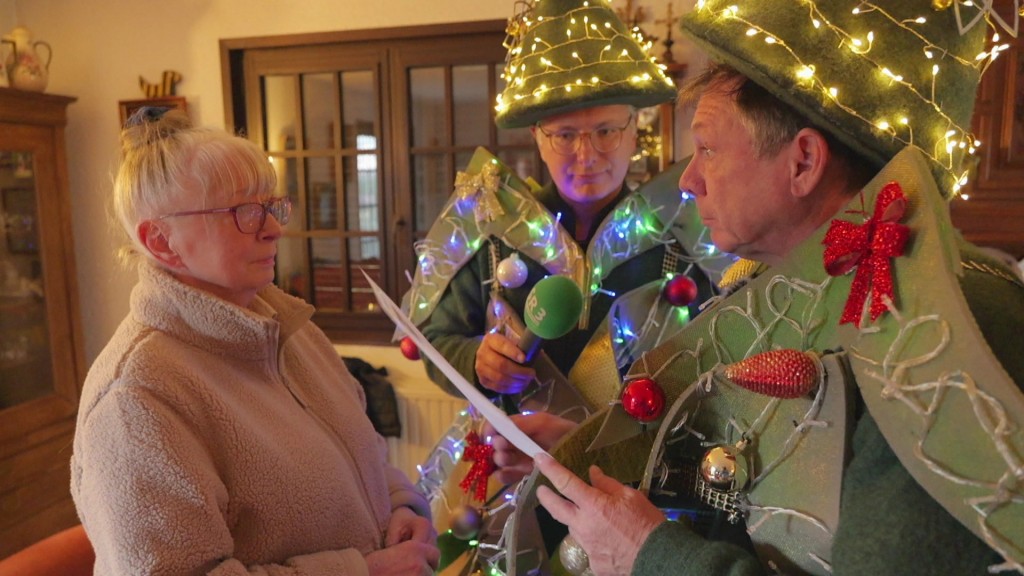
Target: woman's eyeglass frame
column 280, row 208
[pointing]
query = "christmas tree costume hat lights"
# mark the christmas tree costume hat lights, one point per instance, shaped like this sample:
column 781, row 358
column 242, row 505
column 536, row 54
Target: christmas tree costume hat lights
column 570, row 54
column 878, row 75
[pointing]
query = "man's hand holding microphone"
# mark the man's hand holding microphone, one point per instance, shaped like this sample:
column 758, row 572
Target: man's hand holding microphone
column 552, row 310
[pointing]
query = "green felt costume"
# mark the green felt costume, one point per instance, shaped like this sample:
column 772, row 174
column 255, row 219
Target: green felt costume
column 564, row 56
column 906, row 456
column 644, row 238
column 928, row 392
column 662, row 231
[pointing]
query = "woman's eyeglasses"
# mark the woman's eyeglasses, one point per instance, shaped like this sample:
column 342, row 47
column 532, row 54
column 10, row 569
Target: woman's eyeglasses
column 604, row 140
column 250, row 216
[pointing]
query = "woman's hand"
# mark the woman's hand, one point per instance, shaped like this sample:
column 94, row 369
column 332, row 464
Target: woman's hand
column 406, row 525
column 498, row 365
column 404, row 559
column 545, row 429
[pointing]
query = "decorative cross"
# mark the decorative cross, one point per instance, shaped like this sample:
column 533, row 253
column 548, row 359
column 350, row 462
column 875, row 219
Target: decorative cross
column 632, row 17
column 669, row 21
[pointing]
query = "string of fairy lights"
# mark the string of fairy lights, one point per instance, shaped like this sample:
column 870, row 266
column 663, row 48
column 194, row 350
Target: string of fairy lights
column 568, row 57
column 952, row 143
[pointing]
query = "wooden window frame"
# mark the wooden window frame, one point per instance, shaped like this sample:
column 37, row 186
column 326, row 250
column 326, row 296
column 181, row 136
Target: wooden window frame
column 397, row 217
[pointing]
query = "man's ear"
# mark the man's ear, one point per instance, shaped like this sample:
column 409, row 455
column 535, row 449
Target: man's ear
column 156, row 240
column 809, row 155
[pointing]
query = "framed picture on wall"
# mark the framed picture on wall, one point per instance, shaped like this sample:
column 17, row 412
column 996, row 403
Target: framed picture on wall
column 128, row 107
column 19, row 219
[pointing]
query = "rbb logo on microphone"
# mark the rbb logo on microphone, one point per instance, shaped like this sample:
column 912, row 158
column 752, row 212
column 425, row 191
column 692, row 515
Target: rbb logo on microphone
column 553, row 307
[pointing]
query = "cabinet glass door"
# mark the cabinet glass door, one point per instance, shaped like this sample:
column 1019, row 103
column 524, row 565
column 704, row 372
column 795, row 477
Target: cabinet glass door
column 26, row 370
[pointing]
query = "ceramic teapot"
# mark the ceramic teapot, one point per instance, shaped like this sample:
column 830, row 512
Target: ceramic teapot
column 26, row 70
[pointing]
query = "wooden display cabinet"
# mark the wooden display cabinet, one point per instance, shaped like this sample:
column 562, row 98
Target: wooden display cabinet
column 42, row 364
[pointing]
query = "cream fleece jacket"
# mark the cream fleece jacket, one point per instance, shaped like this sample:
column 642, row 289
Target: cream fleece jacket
column 213, row 439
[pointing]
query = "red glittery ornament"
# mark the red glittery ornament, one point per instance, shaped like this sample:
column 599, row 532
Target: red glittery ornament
column 482, row 457
column 643, row 399
column 680, row 290
column 409, row 348
column 779, row 373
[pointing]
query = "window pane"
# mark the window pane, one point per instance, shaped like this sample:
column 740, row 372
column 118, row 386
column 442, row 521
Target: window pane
column 520, row 161
column 431, row 187
column 515, row 137
column 322, row 206
column 285, row 180
column 362, row 259
column 359, row 107
column 361, row 194
column 329, row 281
column 280, row 100
column 292, row 274
column 318, row 105
column 26, row 342
column 461, row 161
column 472, row 106
column 427, row 107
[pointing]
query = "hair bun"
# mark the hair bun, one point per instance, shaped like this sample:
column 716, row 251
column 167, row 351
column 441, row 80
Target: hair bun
column 151, row 123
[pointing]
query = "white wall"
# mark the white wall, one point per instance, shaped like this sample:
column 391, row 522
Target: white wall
column 100, row 48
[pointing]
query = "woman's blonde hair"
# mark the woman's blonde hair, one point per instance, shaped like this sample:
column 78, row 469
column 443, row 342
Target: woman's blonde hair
column 165, row 158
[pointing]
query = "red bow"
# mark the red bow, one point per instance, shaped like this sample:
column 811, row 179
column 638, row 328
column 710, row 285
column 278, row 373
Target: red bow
column 869, row 248
column 482, row 457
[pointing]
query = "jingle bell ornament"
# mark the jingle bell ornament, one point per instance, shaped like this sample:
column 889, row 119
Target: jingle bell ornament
column 680, row 290
column 724, row 468
column 643, row 399
column 512, row 272
column 409, row 348
column 465, row 522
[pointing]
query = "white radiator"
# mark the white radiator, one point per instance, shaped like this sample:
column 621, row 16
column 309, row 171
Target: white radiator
column 426, row 414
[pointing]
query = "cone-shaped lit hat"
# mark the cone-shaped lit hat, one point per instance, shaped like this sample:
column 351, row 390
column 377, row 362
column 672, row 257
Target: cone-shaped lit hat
column 564, row 55
column 879, row 75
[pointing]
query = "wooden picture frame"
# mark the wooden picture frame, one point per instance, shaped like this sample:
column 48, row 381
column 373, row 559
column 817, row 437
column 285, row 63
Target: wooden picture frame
column 20, row 221
column 128, row 107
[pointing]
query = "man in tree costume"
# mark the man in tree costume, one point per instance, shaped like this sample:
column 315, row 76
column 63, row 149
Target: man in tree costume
column 853, row 405
column 639, row 262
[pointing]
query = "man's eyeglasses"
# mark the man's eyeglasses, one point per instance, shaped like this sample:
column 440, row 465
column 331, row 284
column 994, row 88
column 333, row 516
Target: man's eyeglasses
column 251, row 216
column 604, row 140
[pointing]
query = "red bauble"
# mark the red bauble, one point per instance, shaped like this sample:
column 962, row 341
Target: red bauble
column 409, row 348
column 680, row 290
column 643, row 399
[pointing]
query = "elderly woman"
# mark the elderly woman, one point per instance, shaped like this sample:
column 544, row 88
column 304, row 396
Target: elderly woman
column 219, row 432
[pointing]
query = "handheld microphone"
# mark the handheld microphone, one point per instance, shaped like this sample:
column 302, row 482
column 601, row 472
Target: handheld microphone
column 553, row 307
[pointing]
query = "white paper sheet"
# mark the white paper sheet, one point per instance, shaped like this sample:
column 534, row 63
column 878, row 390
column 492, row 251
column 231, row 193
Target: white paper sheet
column 501, row 422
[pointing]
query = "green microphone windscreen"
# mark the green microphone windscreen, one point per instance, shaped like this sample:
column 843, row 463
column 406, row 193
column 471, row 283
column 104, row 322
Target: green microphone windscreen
column 553, row 307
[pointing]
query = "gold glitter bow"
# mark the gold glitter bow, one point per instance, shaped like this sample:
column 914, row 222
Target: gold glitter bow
column 481, row 189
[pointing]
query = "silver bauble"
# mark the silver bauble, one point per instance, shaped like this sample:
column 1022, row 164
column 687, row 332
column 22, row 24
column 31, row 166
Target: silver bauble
column 724, row 468
column 465, row 522
column 512, row 272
